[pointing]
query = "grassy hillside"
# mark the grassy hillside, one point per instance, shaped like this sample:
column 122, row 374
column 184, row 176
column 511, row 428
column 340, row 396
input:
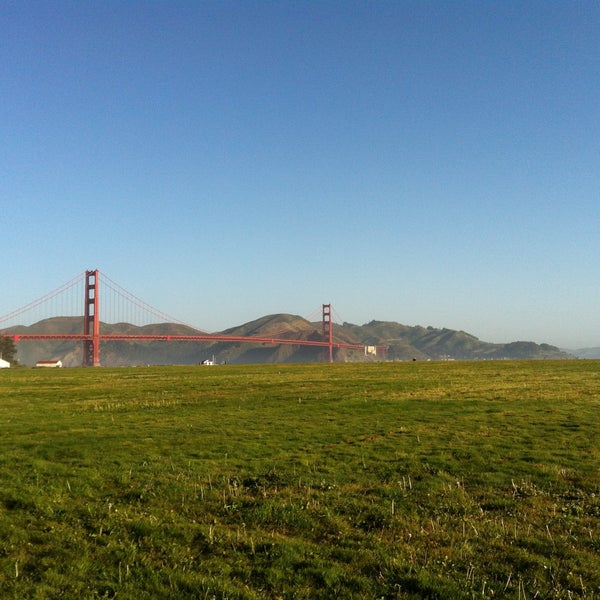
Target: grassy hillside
column 405, row 480
column 430, row 343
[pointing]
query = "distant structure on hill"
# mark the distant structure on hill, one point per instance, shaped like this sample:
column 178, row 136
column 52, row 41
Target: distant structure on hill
column 4, row 364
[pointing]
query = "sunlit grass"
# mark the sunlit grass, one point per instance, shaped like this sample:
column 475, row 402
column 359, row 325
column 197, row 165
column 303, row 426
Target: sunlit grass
column 412, row 480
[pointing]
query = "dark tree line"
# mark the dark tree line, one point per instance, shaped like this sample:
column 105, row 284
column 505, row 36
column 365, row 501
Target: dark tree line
column 8, row 350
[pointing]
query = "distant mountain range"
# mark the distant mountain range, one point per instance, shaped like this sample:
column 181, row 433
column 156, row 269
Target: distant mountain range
column 586, row 353
column 403, row 342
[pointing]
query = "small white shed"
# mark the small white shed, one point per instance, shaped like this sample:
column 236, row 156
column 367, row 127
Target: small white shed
column 49, row 364
column 4, row 364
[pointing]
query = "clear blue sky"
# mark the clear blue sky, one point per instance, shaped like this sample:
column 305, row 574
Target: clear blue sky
column 432, row 163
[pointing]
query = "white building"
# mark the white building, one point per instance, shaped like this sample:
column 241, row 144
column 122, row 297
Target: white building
column 4, row 364
column 49, row 364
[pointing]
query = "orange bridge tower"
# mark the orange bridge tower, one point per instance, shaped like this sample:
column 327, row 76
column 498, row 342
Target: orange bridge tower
column 91, row 321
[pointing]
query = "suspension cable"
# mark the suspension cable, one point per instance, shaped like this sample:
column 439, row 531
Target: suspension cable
column 139, row 303
column 15, row 313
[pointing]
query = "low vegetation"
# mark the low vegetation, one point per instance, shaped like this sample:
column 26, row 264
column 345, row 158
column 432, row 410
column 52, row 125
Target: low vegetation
column 396, row 480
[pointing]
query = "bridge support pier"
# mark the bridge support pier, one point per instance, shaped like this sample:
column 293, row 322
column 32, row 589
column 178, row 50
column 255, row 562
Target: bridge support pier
column 328, row 330
column 91, row 321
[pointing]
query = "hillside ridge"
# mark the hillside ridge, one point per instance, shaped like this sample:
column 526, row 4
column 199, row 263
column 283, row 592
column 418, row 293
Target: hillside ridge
column 403, row 342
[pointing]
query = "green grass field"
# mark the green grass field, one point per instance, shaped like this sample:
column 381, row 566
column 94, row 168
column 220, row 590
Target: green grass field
column 405, row 480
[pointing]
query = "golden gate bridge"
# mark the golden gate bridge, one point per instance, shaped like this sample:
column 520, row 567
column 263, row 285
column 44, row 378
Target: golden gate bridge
column 91, row 337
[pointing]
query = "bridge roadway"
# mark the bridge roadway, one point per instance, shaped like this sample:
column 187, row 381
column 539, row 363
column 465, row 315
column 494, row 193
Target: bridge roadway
column 117, row 337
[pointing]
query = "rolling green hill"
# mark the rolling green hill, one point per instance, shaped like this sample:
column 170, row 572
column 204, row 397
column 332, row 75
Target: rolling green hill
column 429, row 343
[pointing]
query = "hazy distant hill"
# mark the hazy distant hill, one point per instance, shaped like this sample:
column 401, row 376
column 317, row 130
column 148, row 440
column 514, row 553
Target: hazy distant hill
column 404, row 343
column 587, row 353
